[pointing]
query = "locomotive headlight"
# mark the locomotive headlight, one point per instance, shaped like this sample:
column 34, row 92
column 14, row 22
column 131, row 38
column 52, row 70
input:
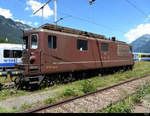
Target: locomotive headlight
column 32, row 59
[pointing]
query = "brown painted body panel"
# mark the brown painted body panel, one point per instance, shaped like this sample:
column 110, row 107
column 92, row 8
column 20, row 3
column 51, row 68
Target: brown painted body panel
column 67, row 58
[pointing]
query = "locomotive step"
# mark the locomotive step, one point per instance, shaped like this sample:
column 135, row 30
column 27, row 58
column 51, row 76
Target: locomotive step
column 32, row 79
column 35, row 79
column 35, row 82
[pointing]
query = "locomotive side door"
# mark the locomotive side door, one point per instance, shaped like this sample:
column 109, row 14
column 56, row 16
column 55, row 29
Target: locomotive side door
column 35, row 54
column 105, row 54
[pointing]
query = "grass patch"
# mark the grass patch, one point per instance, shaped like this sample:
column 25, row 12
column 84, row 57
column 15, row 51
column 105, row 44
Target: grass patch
column 69, row 92
column 142, row 91
column 125, row 106
column 49, row 100
column 4, row 94
column 4, row 80
column 25, row 106
column 3, row 110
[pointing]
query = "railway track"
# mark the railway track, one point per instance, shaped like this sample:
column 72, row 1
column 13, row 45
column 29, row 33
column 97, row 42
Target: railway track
column 95, row 101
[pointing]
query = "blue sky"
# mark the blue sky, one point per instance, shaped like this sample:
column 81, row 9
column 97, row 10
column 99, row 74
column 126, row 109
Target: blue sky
column 107, row 17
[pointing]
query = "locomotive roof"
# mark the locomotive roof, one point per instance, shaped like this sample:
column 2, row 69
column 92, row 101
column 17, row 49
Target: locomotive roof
column 71, row 31
column 74, row 32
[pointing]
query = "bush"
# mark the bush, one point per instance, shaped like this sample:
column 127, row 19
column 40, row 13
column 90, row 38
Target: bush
column 4, row 41
column 88, row 86
column 69, row 92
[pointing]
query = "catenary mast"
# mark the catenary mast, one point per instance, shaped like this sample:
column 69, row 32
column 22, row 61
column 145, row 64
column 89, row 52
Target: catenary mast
column 55, row 10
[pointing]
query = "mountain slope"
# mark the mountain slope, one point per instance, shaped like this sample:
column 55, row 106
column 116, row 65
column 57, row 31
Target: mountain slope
column 142, row 44
column 12, row 30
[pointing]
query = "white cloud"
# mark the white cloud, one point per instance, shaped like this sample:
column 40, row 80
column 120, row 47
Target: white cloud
column 6, row 13
column 36, row 23
column 137, row 32
column 147, row 19
column 29, row 23
column 20, row 21
column 27, row 8
column 34, row 5
column 24, row 22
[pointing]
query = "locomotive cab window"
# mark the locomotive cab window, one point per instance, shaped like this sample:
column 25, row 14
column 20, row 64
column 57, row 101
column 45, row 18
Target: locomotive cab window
column 34, row 41
column 52, row 42
column 82, row 45
column 130, row 50
column 104, row 47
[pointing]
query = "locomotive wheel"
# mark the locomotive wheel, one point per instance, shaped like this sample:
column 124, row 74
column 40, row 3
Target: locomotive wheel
column 44, row 83
column 20, row 84
column 131, row 67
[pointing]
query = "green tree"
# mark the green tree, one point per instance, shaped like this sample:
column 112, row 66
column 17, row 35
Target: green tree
column 4, row 41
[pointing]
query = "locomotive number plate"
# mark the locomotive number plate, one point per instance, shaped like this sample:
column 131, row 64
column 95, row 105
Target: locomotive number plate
column 51, row 67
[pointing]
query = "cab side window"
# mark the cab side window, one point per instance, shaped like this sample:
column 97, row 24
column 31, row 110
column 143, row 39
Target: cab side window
column 104, row 47
column 52, row 43
column 130, row 50
column 34, row 41
column 82, row 45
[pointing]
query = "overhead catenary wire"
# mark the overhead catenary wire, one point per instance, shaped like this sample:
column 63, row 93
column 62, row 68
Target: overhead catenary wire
column 62, row 18
column 41, row 8
column 91, row 22
column 137, row 8
column 82, row 19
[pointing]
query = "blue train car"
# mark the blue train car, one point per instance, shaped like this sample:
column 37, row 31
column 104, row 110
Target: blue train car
column 141, row 56
column 10, row 54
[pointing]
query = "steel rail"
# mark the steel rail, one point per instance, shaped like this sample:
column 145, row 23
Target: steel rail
column 69, row 100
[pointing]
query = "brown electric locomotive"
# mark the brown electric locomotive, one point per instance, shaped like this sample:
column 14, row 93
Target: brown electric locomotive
column 53, row 52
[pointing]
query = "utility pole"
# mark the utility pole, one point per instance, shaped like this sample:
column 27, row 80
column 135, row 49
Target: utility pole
column 42, row 15
column 55, row 12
